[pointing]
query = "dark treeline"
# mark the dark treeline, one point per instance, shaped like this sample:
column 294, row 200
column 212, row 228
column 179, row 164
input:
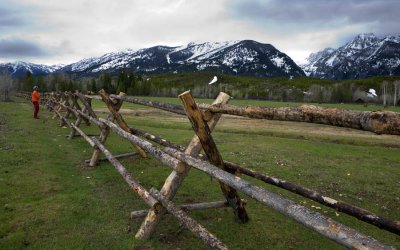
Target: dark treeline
column 124, row 81
column 301, row 89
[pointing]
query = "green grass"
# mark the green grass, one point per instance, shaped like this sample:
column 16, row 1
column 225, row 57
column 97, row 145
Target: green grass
column 50, row 200
column 262, row 103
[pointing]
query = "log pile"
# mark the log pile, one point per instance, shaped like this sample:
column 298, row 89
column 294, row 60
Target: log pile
column 204, row 118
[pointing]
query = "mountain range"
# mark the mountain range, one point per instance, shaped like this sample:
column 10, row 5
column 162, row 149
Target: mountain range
column 244, row 57
column 20, row 68
column 366, row 55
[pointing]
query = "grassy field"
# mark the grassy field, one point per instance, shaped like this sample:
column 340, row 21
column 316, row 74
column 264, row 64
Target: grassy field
column 50, row 200
column 262, row 103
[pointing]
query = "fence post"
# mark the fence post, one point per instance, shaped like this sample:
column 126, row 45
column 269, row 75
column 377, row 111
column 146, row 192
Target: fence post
column 175, row 179
column 78, row 119
column 68, row 97
column 105, row 131
column 87, row 103
column 117, row 116
column 78, row 107
column 61, row 100
column 210, row 148
column 63, row 118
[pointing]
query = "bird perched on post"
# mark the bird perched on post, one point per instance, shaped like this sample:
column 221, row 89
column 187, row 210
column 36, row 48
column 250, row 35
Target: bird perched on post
column 214, row 80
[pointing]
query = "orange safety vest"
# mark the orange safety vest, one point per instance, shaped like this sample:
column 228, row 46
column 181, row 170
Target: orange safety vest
column 35, row 96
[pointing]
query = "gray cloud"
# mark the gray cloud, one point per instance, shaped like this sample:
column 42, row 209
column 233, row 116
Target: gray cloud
column 10, row 18
column 63, row 32
column 310, row 14
column 20, row 48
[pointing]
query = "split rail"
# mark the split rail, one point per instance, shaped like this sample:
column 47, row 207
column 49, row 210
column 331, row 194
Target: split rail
column 74, row 108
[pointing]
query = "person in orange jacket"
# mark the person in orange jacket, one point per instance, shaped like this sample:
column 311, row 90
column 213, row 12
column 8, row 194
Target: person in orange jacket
column 35, row 101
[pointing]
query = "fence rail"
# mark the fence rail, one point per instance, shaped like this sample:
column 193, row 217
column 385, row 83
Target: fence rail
column 67, row 106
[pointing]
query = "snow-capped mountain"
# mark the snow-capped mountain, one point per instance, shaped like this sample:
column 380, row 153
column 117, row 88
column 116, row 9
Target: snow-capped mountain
column 20, row 68
column 366, row 55
column 235, row 57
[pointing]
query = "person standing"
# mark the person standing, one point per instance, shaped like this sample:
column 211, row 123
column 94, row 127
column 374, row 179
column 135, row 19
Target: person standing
column 35, row 101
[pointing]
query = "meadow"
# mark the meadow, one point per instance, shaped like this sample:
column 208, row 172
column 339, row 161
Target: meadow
column 49, row 199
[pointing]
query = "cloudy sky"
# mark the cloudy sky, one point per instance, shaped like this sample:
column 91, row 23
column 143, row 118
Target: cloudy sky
column 52, row 32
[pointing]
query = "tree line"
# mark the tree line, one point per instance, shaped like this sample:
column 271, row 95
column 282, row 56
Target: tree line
column 125, row 81
column 171, row 85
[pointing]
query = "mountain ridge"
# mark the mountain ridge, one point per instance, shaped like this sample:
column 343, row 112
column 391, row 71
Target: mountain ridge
column 242, row 57
column 364, row 56
column 19, row 68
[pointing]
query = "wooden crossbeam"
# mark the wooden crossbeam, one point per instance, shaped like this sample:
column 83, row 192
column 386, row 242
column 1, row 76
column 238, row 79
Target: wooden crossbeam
column 186, row 207
column 209, row 239
column 120, row 156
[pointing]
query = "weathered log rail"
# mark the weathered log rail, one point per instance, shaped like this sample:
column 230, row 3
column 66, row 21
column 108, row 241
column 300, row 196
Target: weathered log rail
column 380, row 122
column 174, row 157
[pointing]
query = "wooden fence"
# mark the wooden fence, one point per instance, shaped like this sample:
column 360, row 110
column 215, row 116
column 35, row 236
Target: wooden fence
column 74, row 108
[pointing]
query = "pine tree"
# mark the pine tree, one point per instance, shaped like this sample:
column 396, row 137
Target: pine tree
column 93, row 86
column 132, row 83
column 28, row 81
column 107, row 82
column 70, row 86
column 122, row 81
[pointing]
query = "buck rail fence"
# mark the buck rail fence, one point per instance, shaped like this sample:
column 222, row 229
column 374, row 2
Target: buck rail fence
column 74, row 108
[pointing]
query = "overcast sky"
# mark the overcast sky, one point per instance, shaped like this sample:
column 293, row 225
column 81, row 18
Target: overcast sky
column 53, row 32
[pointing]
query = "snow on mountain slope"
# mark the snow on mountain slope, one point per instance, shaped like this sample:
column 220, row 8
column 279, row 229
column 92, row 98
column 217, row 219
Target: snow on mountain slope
column 20, row 68
column 236, row 57
column 366, row 55
column 244, row 57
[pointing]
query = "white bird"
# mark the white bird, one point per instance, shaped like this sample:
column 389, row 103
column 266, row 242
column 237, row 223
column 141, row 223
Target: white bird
column 215, row 79
column 371, row 93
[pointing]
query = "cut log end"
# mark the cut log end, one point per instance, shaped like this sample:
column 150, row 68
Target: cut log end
column 184, row 93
